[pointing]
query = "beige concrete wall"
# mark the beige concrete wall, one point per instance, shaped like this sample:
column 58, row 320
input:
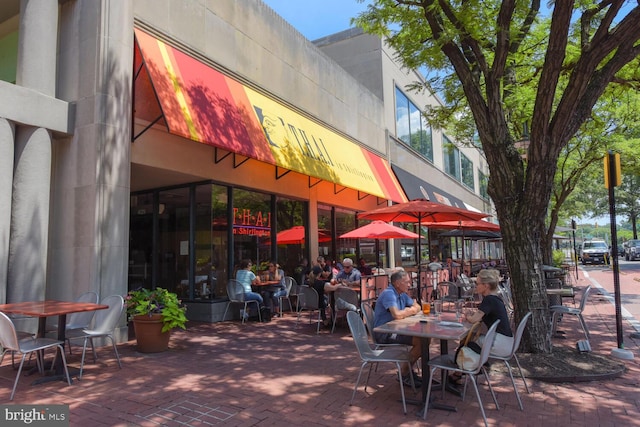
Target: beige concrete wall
column 90, row 184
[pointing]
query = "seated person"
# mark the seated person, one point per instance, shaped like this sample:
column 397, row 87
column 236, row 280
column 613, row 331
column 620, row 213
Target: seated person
column 327, row 270
column 392, row 304
column 490, row 309
column 323, row 288
column 364, row 269
column 349, row 276
column 274, row 272
column 246, row 278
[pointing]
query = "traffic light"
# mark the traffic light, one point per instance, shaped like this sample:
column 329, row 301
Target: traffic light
column 613, row 160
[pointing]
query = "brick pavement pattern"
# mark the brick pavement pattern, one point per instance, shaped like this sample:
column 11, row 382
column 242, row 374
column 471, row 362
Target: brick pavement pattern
column 283, row 374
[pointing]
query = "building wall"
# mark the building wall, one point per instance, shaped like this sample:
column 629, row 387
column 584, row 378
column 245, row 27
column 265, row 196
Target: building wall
column 372, row 63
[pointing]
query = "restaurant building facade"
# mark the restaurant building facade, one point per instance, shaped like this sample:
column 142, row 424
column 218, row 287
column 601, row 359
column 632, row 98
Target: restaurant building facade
column 158, row 143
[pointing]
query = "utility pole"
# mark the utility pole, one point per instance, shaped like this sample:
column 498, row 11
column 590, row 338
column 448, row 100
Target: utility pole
column 612, row 177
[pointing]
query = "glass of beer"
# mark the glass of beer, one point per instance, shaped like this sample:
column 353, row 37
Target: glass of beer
column 426, row 308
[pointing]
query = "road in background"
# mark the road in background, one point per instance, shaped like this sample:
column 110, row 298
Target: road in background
column 602, row 278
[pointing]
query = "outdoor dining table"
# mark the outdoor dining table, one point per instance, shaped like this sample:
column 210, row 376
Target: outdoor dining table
column 49, row 308
column 427, row 327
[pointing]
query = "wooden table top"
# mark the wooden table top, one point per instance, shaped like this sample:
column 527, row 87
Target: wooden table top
column 49, row 308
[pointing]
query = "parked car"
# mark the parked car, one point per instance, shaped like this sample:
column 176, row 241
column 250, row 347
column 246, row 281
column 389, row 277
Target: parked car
column 594, row 252
column 632, row 250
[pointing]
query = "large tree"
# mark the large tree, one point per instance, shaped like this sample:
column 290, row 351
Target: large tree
column 514, row 64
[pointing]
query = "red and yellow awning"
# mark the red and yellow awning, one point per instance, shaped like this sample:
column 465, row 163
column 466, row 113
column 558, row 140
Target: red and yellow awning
column 202, row 104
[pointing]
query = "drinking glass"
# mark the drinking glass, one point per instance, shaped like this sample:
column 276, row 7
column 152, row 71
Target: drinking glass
column 437, row 308
column 426, row 308
column 459, row 307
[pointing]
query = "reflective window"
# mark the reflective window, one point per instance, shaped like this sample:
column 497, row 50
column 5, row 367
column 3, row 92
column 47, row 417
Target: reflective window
column 251, row 228
column 411, row 126
column 466, row 165
column 451, row 158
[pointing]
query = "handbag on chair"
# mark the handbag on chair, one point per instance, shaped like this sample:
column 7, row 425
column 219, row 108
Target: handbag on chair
column 467, row 355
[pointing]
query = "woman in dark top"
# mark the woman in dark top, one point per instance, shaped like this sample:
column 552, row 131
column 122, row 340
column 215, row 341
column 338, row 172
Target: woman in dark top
column 491, row 309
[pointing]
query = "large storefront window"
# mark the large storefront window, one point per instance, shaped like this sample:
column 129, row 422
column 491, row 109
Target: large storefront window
column 325, row 225
column 141, row 241
column 347, row 248
column 172, row 249
column 211, row 241
column 180, row 237
column 291, row 213
column 251, row 227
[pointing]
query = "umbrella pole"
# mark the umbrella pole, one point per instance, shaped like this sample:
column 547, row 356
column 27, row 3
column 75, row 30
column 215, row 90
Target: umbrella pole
column 419, row 258
column 377, row 254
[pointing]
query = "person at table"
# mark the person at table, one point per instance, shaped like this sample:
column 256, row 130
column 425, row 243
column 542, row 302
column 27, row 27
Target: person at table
column 323, row 288
column 349, row 276
column 246, row 278
column 394, row 303
column 327, row 270
column 302, row 272
column 275, row 273
column 452, row 270
column 491, row 309
column 364, row 269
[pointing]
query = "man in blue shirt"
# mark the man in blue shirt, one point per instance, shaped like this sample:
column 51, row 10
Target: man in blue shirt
column 394, row 303
column 349, row 275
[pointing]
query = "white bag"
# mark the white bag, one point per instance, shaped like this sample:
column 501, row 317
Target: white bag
column 468, row 354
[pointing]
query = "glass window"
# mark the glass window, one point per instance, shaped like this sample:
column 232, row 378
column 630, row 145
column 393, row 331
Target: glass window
column 451, row 158
column 251, row 228
column 402, row 117
column 172, row 249
column 347, row 248
column 467, row 171
column 426, row 139
column 484, row 182
column 211, row 242
column 412, row 127
column 325, row 225
column 140, row 241
column 290, row 213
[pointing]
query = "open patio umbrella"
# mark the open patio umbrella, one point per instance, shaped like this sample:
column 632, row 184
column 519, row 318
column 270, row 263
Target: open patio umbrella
column 420, row 211
column 379, row 230
column 295, row 236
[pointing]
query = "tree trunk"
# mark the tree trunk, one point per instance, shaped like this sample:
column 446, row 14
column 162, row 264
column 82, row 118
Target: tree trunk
column 524, row 258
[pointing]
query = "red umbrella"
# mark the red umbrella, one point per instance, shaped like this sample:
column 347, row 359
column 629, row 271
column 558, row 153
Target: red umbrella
column 420, row 211
column 295, row 236
column 464, row 225
column 379, row 230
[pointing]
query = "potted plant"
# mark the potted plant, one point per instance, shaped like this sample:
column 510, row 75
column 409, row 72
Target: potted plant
column 154, row 312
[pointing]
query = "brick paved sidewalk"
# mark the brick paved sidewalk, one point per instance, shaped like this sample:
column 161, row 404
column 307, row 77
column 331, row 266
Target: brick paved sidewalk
column 280, row 373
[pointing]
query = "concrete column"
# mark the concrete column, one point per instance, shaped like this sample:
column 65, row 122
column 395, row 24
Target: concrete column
column 29, row 215
column 7, row 136
column 38, row 37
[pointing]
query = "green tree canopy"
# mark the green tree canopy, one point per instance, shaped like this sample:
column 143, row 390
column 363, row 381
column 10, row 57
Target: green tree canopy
column 506, row 63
